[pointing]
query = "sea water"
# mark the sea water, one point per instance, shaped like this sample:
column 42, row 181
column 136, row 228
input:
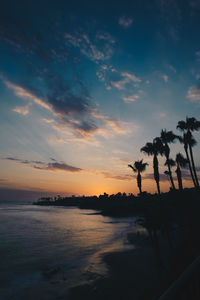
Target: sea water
column 45, row 250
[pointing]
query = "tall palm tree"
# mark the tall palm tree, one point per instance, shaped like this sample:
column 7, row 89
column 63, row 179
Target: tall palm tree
column 170, row 163
column 186, row 140
column 154, row 149
column 188, row 126
column 181, row 162
column 168, row 137
column 138, row 168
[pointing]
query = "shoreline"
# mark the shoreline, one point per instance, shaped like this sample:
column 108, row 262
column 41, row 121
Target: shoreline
column 172, row 222
column 131, row 273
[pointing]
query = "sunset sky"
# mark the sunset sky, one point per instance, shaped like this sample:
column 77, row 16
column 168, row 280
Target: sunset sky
column 85, row 84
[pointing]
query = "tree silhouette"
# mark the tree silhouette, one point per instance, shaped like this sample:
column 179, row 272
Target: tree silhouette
column 168, row 137
column 188, row 126
column 154, row 149
column 186, row 139
column 181, row 162
column 138, row 168
column 167, row 174
column 170, row 163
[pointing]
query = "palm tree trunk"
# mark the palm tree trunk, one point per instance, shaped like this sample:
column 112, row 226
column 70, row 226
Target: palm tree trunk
column 158, row 186
column 156, row 172
column 170, row 176
column 139, row 182
column 189, row 163
column 179, row 177
column 169, row 168
column 193, row 166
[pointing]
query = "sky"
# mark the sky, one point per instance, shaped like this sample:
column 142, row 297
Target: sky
column 85, row 84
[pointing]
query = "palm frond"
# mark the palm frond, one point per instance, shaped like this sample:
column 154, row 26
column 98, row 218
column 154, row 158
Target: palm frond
column 134, row 170
column 166, row 173
column 181, row 160
column 167, row 137
column 170, row 162
column 149, row 149
column 181, row 125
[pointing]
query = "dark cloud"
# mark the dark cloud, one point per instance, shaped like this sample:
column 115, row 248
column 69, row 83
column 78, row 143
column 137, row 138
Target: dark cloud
column 118, row 177
column 48, row 60
column 86, row 127
column 56, row 166
column 4, row 180
column 53, row 159
column 62, row 98
column 185, row 175
column 24, row 161
column 52, row 166
column 163, row 177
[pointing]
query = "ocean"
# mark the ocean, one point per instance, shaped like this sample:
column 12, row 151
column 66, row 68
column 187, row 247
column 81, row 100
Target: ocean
column 46, row 250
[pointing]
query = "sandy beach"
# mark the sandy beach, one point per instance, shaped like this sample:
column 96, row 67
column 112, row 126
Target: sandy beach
column 132, row 274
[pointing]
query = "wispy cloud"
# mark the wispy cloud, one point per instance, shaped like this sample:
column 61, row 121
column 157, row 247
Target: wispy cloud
column 131, row 98
column 113, row 126
column 97, row 50
column 51, row 166
column 125, row 22
column 197, row 53
column 118, row 126
column 26, row 94
column 126, row 78
column 165, row 78
column 172, row 68
column 22, row 110
column 194, row 94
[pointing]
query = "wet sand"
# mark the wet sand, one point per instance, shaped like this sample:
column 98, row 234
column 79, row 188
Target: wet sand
column 132, row 274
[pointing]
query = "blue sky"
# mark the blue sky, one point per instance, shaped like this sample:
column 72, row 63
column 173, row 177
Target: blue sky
column 85, row 85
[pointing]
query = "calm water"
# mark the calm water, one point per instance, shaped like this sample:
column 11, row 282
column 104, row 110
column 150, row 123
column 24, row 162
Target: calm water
column 46, row 250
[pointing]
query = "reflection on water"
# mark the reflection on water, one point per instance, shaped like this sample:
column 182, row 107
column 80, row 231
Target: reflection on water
column 45, row 250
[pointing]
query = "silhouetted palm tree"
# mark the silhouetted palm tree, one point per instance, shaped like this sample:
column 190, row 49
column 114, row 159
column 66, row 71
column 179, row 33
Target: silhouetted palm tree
column 168, row 137
column 181, row 162
column 170, row 163
column 186, row 140
column 138, row 168
column 191, row 124
column 167, row 174
column 154, row 149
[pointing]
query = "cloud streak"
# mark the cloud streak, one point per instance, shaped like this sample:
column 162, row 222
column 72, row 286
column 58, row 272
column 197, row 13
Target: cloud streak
column 51, row 166
column 22, row 110
column 126, row 78
column 26, row 94
column 117, row 177
column 97, row 51
column 194, row 94
column 131, row 98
